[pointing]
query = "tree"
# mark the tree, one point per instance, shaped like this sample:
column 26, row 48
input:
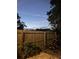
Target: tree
column 20, row 24
column 54, row 17
column 55, row 14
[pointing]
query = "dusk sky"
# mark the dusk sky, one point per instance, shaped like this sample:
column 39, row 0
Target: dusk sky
column 33, row 12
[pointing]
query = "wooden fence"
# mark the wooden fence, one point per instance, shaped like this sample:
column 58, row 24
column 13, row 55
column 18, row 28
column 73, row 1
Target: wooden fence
column 39, row 38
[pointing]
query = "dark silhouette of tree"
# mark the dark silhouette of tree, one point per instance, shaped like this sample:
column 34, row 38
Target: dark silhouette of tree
column 55, row 14
column 18, row 17
column 54, row 17
column 20, row 24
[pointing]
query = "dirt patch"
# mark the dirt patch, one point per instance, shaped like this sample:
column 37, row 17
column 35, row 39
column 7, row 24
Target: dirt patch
column 44, row 55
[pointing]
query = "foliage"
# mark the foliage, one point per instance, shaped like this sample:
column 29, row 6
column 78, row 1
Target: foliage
column 54, row 14
column 31, row 50
column 20, row 24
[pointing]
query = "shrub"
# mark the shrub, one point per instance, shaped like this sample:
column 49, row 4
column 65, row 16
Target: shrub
column 31, row 50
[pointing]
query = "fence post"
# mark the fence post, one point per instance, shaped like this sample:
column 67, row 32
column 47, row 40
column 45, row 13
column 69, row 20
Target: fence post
column 45, row 37
column 23, row 41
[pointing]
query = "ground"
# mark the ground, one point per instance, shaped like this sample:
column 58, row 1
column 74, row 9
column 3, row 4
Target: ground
column 46, row 55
